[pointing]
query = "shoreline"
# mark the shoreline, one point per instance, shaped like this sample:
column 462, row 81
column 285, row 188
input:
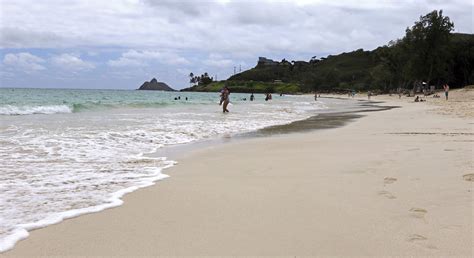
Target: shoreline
column 320, row 121
column 330, row 119
column 321, row 185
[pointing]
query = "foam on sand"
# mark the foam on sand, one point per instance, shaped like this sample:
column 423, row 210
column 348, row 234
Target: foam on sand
column 20, row 231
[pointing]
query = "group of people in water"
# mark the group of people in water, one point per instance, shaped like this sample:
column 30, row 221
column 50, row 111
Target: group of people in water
column 179, row 98
column 225, row 100
column 225, row 92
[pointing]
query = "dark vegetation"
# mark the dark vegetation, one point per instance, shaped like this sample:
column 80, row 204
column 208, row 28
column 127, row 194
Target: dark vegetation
column 429, row 52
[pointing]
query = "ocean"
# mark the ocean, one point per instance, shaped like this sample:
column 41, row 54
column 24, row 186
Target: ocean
column 66, row 152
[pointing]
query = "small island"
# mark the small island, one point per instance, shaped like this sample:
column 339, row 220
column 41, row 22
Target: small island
column 154, row 84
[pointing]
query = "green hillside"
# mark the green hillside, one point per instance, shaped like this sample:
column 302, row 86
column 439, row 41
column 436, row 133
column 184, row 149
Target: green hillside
column 248, row 87
column 429, row 52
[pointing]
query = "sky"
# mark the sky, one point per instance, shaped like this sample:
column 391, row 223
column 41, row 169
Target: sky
column 119, row 44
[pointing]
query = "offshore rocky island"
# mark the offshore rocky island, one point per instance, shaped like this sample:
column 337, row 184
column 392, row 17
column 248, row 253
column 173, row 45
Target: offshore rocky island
column 154, row 84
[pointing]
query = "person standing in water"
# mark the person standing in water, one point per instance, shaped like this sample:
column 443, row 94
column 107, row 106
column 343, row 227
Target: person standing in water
column 222, row 96
column 446, row 90
column 252, row 97
column 225, row 99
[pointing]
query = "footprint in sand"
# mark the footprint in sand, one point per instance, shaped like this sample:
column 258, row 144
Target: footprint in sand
column 468, row 177
column 389, row 180
column 387, row 194
column 421, row 240
column 418, row 212
column 416, row 237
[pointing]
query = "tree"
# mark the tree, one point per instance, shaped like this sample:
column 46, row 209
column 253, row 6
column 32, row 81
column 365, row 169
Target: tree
column 428, row 41
column 191, row 79
column 314, row 60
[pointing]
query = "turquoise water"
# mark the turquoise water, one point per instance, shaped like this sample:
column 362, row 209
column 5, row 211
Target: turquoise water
column 36, row 101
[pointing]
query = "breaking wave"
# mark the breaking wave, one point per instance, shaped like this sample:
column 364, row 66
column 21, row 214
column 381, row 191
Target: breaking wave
column 30, row 110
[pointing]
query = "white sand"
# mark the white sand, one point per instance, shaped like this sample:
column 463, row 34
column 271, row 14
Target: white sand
column 392, row 183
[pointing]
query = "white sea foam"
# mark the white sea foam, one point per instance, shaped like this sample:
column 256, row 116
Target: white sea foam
column 30, row 110
column 62, row 202
column 20, row 231
column 58, row 167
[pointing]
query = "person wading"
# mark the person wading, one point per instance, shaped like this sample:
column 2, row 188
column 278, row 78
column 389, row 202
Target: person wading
column 225, row 98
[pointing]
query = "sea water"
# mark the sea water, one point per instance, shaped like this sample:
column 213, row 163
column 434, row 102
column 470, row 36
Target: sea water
column 67, row 152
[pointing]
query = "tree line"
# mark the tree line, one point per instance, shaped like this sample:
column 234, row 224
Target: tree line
column 203, row 79
column 429, row 52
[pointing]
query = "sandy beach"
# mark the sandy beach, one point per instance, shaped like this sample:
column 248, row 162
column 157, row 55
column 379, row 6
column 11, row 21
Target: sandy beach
column 397, row 182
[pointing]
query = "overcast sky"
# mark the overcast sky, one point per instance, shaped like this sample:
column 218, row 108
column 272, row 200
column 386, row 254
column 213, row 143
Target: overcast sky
column 121, row 43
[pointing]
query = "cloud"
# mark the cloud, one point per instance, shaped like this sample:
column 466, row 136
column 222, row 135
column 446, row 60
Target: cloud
column 24, row 61
column 145, row 57
column 15, row 37
column 216, row 60
column 165, row 35
column 255, row 27
column 126, row 62
column 71, row 62
column 186, row 7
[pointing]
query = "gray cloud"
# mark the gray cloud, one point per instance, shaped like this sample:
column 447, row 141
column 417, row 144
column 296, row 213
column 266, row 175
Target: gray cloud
column 186, row 7
column 210, row 26
column 11, row 37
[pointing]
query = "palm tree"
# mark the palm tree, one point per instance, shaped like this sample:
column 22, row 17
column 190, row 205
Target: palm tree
column 191, row 78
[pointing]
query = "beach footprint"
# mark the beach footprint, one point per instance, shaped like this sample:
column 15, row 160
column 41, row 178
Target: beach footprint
column 418, row 213
column 468, row 177
column 389, row 180
column 387, row 194
column 416, row 237
column 420, row 240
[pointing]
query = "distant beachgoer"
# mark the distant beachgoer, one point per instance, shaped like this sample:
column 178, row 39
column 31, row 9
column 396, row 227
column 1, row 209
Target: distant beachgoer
column 316, row 97
column 269, row 96
column 266, row 97
column 175, row 98
column 179, row 97
column 417, row 99
column 186, row 98
column 446, row 90
column 222, row 96
column 252, row 97
column 225, row 96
